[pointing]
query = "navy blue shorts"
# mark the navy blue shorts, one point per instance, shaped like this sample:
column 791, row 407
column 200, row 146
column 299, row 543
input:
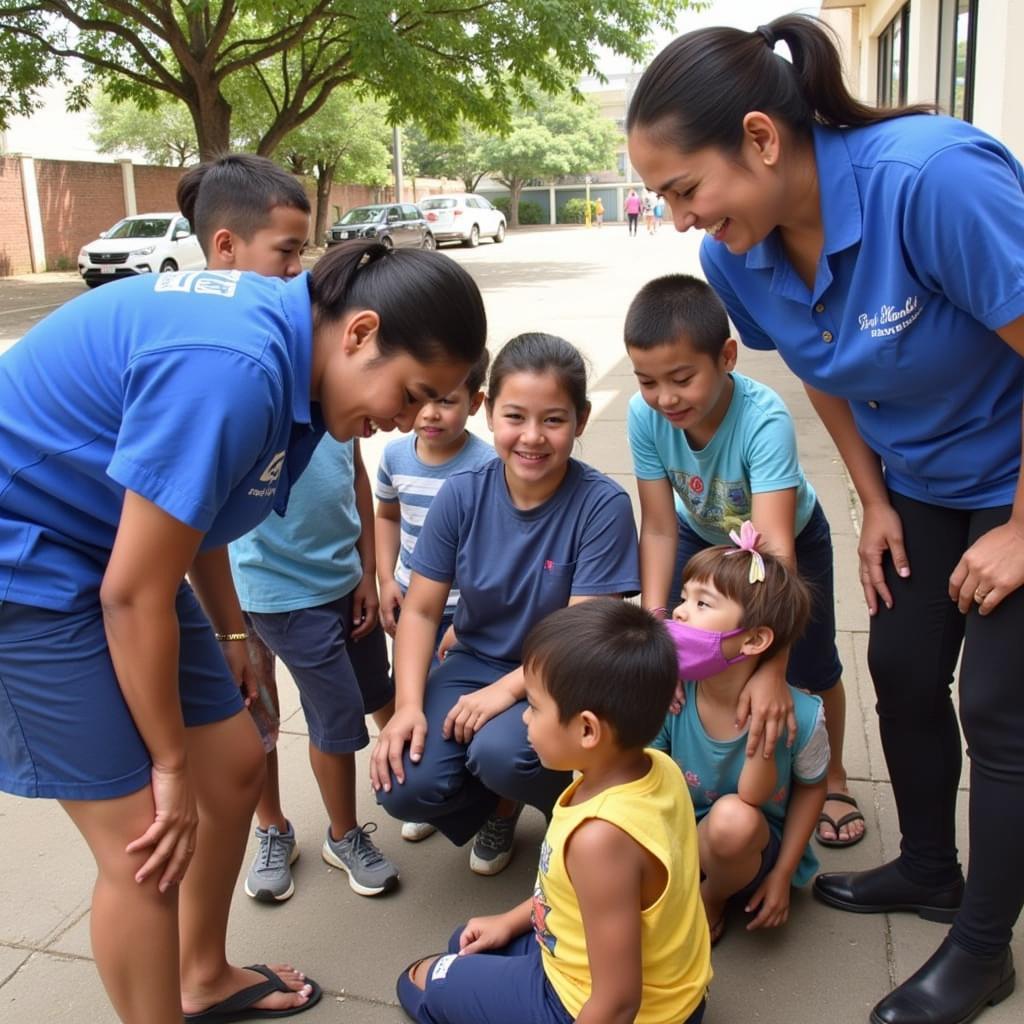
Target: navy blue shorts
column 814, row 663
column 65, row 730
column 501, row 986
column 340, row 682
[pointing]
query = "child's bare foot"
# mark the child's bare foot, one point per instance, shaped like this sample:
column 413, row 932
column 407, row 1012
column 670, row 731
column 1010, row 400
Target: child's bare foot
column 285, row 989
column 840, row 822
column 715, row 911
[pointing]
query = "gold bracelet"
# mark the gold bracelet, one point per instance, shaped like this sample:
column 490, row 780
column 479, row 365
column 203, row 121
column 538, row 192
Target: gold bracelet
column 222, row 637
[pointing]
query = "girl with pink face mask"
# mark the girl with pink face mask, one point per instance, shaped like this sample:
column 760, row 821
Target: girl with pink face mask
column 755, row 813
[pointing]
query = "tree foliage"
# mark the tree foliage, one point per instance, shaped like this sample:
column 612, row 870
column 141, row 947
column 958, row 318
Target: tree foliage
column 435, row 62
column 166, row 134
column 564, row 134
column 460, row 158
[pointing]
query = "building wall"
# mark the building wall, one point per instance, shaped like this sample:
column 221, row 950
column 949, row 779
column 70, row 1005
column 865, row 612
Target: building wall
column 77, row 200
column 15, row 256
column 155, row 188
column 999, row 71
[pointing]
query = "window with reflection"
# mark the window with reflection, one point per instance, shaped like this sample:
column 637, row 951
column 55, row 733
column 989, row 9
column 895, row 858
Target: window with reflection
column 958, row 24
column 893, row 44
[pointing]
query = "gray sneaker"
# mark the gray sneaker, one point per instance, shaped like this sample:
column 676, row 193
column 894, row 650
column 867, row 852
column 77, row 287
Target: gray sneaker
column 270, row 877
column 492, row 848
column 369, row 872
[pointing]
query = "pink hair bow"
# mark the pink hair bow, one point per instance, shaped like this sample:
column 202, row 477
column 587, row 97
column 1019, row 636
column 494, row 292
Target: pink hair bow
column 747, row 540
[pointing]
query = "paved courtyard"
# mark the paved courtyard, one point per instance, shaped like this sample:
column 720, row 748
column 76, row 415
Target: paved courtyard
column 823, row 966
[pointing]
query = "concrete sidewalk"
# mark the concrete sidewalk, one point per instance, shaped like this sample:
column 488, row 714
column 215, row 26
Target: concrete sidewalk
column 823, row 966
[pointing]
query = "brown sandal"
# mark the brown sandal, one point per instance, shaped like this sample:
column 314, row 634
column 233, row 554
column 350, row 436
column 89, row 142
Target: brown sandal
column 827, row 819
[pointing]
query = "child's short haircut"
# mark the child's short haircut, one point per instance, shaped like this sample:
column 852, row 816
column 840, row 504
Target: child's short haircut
column 538, row 352
column 236, row 192
column 781, row 601
column 478, row 373
column 673, row 307
column 611, row 658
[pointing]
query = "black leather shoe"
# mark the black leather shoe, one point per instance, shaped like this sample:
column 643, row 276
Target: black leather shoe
column 882, row 890
column 953, row 987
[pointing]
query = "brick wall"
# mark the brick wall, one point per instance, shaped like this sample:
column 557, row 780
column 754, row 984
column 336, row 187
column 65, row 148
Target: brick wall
column 77, row 200
column 15, row 255
column 155, row 188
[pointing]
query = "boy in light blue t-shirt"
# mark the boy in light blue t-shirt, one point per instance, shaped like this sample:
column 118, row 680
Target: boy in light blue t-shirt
column 410, row 473
column 711, row 449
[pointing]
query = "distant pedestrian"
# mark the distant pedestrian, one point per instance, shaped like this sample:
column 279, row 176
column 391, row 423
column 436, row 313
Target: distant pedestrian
column 649, row 213
column 599, row 212
column 633, row 206
column 659, row 211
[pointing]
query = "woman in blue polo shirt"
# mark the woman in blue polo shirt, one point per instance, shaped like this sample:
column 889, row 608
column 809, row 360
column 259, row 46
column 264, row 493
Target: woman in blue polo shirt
column 145, row 426
column 882, row 253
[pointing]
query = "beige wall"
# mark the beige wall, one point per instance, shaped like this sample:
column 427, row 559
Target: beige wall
column 999, row 68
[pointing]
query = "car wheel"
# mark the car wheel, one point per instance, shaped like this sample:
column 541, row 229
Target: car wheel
column 429, row 241
column 474, row 237
column 168, row 265
column 387, row 242
column 91, row 283
column 499, row 235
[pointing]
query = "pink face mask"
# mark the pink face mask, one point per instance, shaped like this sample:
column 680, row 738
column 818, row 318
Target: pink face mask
column 699, row 651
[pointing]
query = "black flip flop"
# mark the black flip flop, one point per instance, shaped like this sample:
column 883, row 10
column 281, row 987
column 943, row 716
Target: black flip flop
column 854, row 815
column 240, row 1005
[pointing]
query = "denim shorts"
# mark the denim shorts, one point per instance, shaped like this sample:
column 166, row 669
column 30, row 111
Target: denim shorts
column 65, row 730
column 340, row 681
column 814, row 663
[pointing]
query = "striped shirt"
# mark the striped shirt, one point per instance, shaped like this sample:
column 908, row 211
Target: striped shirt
column 404, row 478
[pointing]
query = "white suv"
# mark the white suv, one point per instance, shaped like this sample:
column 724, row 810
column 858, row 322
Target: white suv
column 141, row 244
column 463, row 216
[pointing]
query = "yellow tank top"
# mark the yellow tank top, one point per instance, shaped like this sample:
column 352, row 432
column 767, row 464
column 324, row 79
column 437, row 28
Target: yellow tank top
column 657, row 813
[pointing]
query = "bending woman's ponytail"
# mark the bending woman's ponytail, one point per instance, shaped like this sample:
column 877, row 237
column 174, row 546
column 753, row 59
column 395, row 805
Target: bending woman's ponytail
column 697, row 91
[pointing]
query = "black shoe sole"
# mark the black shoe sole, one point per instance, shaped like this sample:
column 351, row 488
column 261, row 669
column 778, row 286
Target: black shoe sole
column 943, row 915
column 997, row 995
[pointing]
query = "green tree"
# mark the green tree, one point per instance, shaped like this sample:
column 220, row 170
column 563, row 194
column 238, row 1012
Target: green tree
column 348, row 140
column 432, row 62
column 165, row 135
column 461, row 157
column 562, row 135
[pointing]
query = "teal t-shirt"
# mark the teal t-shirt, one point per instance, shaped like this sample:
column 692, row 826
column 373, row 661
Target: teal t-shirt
column 307, row 557
column 712, row 767
column 753, row 451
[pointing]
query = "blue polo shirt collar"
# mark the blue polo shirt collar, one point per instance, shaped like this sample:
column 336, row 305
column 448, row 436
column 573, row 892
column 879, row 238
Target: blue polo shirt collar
column 298, row 310
column 840, row 211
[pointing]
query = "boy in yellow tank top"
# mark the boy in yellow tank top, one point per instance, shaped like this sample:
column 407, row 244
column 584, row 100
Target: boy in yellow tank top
column 615, row 930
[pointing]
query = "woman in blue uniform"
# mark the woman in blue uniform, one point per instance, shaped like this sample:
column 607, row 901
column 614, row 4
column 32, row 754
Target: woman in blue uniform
column 880, row 251
column 145, row 426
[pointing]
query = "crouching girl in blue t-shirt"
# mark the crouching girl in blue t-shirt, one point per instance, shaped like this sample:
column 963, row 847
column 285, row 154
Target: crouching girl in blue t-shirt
column 530, row 532
column 755, row 814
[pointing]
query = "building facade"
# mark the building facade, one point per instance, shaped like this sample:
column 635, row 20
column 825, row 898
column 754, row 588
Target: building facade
column 963, row 55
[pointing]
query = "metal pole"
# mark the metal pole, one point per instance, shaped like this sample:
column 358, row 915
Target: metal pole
column 396, row 165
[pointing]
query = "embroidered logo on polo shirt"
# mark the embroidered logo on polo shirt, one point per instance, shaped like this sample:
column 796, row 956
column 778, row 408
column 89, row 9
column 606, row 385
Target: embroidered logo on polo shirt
column 269, row 476
column 891, row 320
column 203, row 282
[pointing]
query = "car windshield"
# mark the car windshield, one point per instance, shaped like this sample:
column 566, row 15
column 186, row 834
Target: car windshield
column 148, row 227
column 437, row 204
column 362, row 215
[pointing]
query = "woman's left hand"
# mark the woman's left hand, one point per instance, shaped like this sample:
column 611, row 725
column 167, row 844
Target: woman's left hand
column 473, row 710
column 768, row 705
column 236, row 654
column 990, row 569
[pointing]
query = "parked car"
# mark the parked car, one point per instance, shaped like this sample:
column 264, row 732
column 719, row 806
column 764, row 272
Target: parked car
column 141, row 244
column 393, row 224
column 464, row 217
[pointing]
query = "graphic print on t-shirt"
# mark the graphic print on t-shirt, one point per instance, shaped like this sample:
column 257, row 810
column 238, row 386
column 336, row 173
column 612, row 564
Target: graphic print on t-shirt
column 716, row 504
column 541, row 908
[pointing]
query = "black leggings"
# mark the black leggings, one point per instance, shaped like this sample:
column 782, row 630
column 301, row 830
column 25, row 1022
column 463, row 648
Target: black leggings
column 632, row 218
column 912, row 655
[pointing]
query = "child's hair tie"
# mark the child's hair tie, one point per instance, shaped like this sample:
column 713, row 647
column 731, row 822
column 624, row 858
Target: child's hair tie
column 747, row 540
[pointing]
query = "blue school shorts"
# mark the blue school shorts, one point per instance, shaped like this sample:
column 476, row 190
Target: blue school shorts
column 340, row 681
column 814, row 663
column 502, row 986
column 65, row 730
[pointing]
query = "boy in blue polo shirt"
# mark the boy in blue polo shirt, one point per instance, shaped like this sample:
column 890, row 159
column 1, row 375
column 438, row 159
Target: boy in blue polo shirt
column 711, row 449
